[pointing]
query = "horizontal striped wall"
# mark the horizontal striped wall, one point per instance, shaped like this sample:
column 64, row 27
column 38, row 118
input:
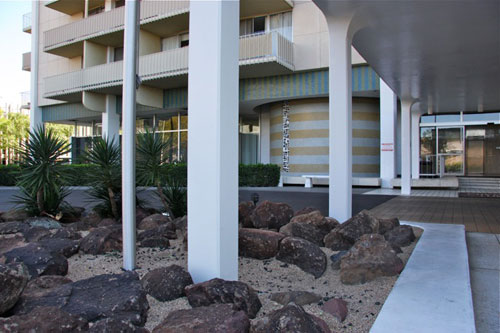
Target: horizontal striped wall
column 296, row 85
column 309, row 136
column 66, row 112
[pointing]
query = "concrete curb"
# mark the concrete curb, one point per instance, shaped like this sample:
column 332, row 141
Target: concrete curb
column 433, row 293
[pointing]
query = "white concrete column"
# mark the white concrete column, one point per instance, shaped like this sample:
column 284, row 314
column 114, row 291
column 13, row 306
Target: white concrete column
column 213, row 140
column 35, row 111
column 265, row 135
column 130, row 70
column 388, row 118
column 111, row 120
column 406, row 147
column 415, row 145
column 340, row 121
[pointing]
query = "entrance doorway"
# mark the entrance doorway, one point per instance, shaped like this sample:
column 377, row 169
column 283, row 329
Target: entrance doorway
column 483, row 150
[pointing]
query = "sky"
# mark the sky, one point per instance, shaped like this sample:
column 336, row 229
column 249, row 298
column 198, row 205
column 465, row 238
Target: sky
column 14, row 42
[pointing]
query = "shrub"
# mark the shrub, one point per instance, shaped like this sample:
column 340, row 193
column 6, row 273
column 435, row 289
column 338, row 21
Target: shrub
column 176, row 197
column 79, row 174
column 9, row 174
column 259, row 175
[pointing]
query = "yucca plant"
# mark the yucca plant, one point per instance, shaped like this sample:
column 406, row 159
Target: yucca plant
column 151, row 158
column 105, row 182
column 41, row 179
column 176, row 196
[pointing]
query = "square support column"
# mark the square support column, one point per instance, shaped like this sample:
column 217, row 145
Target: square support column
column 213, row 140
column 340, row 121
column 415, row 145
column 35, row 111
column 406, row 147
column 111, row 120
column 388, row 116
column 265, row 135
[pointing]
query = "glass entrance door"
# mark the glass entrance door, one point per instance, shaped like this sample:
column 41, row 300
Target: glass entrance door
column 450, row 151
column 492, row 151
column 474, row 141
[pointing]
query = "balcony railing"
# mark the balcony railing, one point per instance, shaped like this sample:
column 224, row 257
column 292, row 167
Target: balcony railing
column 27, row 22
column 254, row 49
column 27, row 61
column 25, row 98
column 110, row 21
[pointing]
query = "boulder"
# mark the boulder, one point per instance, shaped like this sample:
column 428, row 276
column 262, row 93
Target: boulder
column 336, row 307
column 218, row 291
column 166, row 231
column 297, row 297
column 112, row 325
column 304, row 231
column 44, row 319
column 141, row 214
column 90, row 220
column 102, row 240
column 258, row 244
column 305, row 210
column 153, row 221
column 216, row 318
column 108, row 222
column 66, row 247
column 10, row 242
column 13, row 227
column 34, row 234
column 181, row 222
column 71, row 214
column 304, row 254
column 13, row 279
column 245, row 210
column 316, row 219
column 14, row 215
column 387, row 224
column 337, row 258
column 360, row 224
column 336, row 242
column 271, row 215
column 159, row 242
column 44, row 222
column 167, row 283
column 118, row 296
column 38, row 260
column 65, row 233
column 400, row 236
column 370, row 257
column 290, row 318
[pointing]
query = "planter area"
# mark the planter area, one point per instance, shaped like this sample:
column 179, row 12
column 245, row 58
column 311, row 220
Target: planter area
column 298, row 272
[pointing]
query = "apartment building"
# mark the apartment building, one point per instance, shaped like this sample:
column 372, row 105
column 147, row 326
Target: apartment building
column 283, row 89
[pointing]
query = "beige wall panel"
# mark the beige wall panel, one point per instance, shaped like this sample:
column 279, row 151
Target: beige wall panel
column 365, row 168
column 94, row 101
column 309, row 168
column 365, row 133
column 94, row 54
column 148, row 43
column 150, row 96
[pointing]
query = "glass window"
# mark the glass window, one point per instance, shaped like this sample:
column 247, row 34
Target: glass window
column 253, row 26
column 428, row 151
column 184, row 122
column 96, row 10
column 118, row 54
column 172, row 146
column 447, row 118
column 428, row 119
column 169, row 124
column 184, row 40
column 119, row 3
column 259, row 24
column 282, row 23
column 183, row 147
column 450, row 140
column 481, row 117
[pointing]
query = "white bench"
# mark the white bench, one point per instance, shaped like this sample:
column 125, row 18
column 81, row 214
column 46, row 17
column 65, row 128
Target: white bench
column 308, row 179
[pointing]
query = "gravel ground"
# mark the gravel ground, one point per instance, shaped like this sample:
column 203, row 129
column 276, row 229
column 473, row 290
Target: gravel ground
column 265, row 276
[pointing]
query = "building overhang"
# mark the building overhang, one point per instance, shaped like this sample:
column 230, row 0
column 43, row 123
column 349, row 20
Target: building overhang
column 71, row 7
column 445, row 55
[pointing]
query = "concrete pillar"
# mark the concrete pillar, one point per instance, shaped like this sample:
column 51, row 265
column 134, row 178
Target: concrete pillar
column 111, row 120
column 265, row 135
column 415, row 145
column 388, row 118
column 406, row 147
column 213, row 140
column 130, row 70
column 35, row 111
column 340, row 121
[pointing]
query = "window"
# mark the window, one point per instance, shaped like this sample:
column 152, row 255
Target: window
column 282, row 23
column 96, row 10
column 118, row 54
column 253, row 26
column 184, row 40
column 119, row 3
column 173, row 130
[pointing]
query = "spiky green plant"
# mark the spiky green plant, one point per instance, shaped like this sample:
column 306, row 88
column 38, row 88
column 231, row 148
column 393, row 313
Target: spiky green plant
column 105, row 182
column 176, row 196
column 41, row 180
column 151, row 157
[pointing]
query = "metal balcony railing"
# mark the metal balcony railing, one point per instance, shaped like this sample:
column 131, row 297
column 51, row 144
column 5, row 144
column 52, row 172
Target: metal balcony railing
column 110, row 21
column 27, row 22
column 254, row 49
column 27, row 61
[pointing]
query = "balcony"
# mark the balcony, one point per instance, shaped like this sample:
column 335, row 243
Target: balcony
column 107, row 27
column 260, row 55
column 27, row 23
column 72, row 7
column 25, row 99
column 27, row 61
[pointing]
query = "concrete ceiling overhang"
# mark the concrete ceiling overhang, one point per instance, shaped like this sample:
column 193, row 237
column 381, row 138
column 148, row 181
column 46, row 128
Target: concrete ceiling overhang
column 72, row 7
column 443, row 54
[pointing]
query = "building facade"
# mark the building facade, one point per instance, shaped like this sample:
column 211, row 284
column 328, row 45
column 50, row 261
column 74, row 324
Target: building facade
column 283, row 89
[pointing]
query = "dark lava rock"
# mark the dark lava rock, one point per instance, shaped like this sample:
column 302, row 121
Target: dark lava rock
column 271, row 215
column 72, row 214
column 306, row 210
column 13, row 279
column 297, row 297
column 258, row 244
column 360, row 224
column 118, row 296
column 370, row 257
column 166, row 231
column 14, row 215
column 316, row 219
column 181, row 222
column 387, row 224
column 91, row 220
column 44, row 319
column 9, row 242
column 304, row 254
column 216, row 318
column 112, row 325
column 290, row 318
column 336, row 307
column 38, row 260
column 65, row 233
column 158, row 242
column 141, row 214
column 302, row 230
column 44, row 222
column 102, row 240
column 166, row 284
column 336, row 242
column 245, row 210
column 13, row 227
column 108, row 222
column 400, row 236
column 66, row 247
column 220, row 291
column 153, row 221
column 34, row 234
column 336, row 259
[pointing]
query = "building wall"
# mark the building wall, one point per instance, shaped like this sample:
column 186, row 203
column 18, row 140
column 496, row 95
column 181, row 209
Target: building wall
column 309, row 136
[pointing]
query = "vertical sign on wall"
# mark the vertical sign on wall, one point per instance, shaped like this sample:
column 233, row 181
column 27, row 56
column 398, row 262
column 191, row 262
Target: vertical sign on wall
column 286, row 136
